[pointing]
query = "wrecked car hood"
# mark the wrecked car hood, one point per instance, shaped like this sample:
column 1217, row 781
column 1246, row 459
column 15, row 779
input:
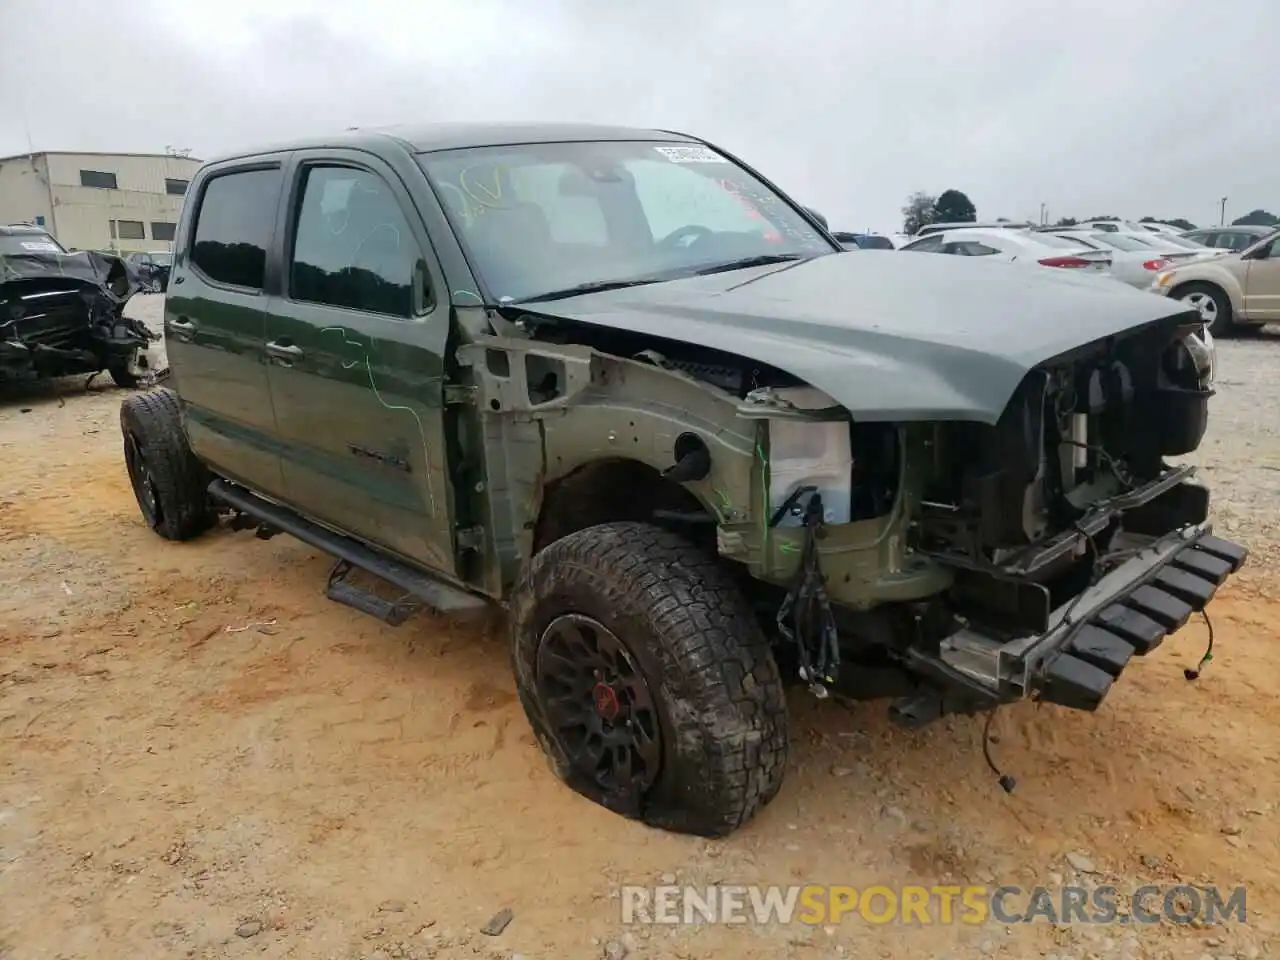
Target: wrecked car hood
column 50, row 270
column 890, row 336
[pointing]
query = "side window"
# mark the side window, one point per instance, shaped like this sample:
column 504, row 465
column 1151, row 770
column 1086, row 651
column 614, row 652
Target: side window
column 352, row 245
column 970, row 248
column 930, row 245
column 234, row 225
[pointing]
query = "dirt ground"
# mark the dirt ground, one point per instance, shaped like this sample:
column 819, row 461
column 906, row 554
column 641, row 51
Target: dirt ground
column 203, row 757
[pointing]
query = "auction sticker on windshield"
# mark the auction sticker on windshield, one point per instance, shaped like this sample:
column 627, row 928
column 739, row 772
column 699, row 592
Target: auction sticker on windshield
column 40, row 246
column 696, row 154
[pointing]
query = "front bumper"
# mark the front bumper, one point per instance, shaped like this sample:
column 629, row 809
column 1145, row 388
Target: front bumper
column 1093, row 637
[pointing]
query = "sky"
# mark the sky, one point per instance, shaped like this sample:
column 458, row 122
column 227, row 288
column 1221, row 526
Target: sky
column 1123, row 107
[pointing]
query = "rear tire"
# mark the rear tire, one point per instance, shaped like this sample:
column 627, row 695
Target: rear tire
column 1214, row 305
column 170, row 484
column 688, row 694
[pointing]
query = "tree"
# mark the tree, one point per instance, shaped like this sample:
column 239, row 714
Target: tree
column 1256, row 218
column 918, row 212
column 1066, row 222
column 952, row 206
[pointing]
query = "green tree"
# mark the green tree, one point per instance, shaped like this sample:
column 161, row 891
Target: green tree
column 1256, row 218
column 918, row 212
column 1067, row 222
column 952, row 206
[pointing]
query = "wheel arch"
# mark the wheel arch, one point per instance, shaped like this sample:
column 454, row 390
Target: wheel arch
column 1229, row 288
column 610, row 489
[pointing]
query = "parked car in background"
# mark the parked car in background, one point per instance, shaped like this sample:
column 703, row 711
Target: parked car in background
column 1133, row 261
column 1235, row 238
column 153, row 268
column 864, row 241
column 62, row 313
column 1194, row 247
column 1162, row 245
column 1015, row 246
column 931, row 228
column 1233, row 292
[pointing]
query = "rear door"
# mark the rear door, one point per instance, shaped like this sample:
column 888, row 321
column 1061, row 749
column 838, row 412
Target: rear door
column 1262, row 284
column 214, row 317
column 357, row 343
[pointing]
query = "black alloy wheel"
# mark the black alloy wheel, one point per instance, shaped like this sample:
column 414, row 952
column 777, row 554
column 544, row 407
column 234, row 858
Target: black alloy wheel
column 598, row 703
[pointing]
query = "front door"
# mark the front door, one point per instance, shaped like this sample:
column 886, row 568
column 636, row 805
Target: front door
column 356, row 345
column 214, row 322
column 1262, row 285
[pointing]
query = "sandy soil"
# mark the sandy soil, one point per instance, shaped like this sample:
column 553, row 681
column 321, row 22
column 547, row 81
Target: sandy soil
column 203, row 757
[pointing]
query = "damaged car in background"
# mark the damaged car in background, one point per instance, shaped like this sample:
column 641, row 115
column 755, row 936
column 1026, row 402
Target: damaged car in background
column 618, row 383
column 63, row 313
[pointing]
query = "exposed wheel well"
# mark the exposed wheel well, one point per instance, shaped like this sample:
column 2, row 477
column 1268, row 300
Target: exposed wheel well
column 607, row 491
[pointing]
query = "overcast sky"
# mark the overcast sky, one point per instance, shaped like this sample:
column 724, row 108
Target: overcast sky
column 1123, row 107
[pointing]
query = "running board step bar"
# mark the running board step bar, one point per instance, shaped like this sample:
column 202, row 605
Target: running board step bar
column 427, row 591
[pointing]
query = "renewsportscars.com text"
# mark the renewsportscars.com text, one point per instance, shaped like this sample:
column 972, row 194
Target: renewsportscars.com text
column 818, row 904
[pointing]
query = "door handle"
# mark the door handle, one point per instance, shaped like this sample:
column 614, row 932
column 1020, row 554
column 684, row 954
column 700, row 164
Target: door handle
column 284, row 351
column 182, row 328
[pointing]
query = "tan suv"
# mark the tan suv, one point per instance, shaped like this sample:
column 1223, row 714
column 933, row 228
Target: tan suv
column 1232, row 292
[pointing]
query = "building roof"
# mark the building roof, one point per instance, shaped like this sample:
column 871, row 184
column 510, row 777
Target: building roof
column 424, row 138
column 95, row 153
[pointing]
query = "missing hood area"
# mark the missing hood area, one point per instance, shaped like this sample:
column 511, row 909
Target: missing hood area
column 63, row 314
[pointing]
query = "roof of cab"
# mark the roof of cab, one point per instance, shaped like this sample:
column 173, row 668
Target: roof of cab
column 425, row 138
column 22, row 230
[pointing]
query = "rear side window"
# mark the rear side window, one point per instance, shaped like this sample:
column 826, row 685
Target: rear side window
column 234, row 225
column 353, row 247
column 931, row 245
column 969, row 248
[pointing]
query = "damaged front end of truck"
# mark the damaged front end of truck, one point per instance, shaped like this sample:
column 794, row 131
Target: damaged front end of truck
column 63, row 314
column 948, row 517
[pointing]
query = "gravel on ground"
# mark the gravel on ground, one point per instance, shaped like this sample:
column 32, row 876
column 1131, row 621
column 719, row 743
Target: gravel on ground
column 203, row 757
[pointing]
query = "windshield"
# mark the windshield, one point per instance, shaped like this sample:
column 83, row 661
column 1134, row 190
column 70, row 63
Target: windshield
column 1121, row 242
column 1182, row 242
column 1091, row 244
column 538, row 218
column 1060, row 243
column 29, row 243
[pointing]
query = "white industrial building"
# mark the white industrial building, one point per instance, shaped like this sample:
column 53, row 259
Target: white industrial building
column 97, row 201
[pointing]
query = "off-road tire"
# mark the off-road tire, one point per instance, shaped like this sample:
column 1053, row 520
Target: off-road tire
column 1223, row 325
column 178, row 481
column 713, row 679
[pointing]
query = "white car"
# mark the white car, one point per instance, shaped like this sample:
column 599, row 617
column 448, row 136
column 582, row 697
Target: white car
column 1015, row 246
column 1133, row 260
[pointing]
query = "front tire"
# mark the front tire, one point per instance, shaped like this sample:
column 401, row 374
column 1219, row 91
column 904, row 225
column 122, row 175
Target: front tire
column 647, row 680
column 1214, row 306
column 170, row 484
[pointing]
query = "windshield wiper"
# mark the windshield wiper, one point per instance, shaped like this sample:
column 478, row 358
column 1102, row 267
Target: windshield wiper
column 743, row 263
column 594, row 286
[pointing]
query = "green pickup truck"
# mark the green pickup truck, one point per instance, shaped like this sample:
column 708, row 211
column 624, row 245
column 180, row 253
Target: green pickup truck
column 618, row 384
